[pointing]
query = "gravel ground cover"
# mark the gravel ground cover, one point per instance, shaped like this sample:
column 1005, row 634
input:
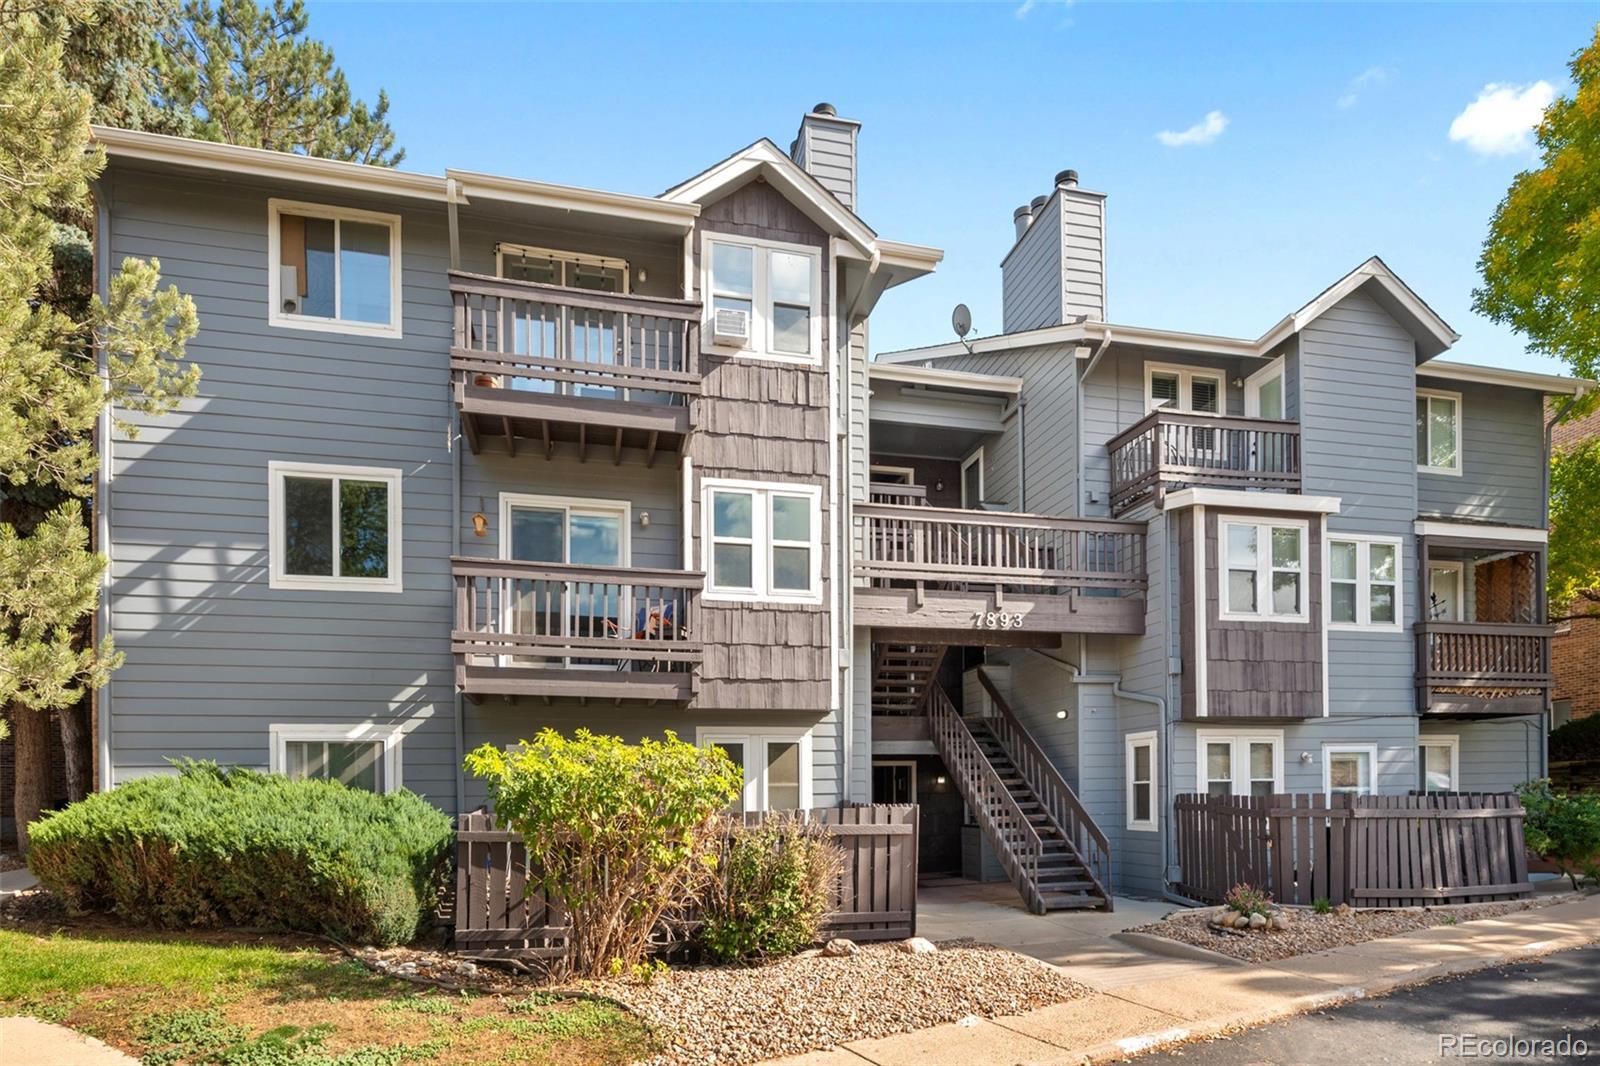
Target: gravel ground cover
column 1309, row 932
column 732, row 1015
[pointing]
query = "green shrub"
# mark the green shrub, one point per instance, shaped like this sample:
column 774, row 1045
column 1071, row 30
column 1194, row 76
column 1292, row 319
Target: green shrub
column 1247, row 900
column 1563, row 827
column 213, row 846
column 1322, row 905
column 1578, row 739
column 774, row 889
column 618, row 835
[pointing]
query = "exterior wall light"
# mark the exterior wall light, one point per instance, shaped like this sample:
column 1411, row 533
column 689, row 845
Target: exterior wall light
column 480, row 525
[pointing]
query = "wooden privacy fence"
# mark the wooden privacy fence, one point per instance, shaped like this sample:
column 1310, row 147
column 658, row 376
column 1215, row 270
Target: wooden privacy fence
column 497, row 918
column 1368, row 851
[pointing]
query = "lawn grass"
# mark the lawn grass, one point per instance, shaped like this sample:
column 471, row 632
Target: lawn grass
column 171, row 1001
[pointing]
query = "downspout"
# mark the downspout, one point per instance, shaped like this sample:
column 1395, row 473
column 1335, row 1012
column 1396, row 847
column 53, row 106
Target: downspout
column 1022, row 454
column 1077, row 401
column 102, row 481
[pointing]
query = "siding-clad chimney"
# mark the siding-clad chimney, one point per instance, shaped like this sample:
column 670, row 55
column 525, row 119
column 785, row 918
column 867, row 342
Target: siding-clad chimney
column 1056, row 270
column 826, row 148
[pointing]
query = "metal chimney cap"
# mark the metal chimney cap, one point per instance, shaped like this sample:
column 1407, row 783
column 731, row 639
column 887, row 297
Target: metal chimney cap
column 1038, row 202
column 1068, row 178
column 825, row 109
column 1025, row 211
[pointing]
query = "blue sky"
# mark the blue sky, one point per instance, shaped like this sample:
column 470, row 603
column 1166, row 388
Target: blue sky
column 1332, row 138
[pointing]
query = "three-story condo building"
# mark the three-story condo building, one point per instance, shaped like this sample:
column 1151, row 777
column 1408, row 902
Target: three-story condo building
column 474, row 456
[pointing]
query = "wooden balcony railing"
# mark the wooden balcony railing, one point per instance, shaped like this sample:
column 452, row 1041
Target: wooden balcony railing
column 1009, row 552
column 620, row 623
column 546, row 340
column 905, row 495
column 1482, row 665
column 1178, row 449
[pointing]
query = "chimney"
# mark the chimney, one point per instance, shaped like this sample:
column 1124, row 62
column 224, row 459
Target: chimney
column 825, row 148
column 1056, row 270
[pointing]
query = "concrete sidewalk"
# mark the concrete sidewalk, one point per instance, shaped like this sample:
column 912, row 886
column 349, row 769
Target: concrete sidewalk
column 1173, row 1000
column 34, row 1043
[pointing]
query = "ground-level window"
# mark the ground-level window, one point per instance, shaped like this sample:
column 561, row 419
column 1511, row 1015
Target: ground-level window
column 359, row 756
column 1139, row 764
column 1240, row 762
column 334, row 527
column 1364, row 582
column 1439, row 763
column 776, row 764
column 1349, row 768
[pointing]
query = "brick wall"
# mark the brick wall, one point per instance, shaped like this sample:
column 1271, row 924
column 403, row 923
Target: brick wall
column 1575, row 652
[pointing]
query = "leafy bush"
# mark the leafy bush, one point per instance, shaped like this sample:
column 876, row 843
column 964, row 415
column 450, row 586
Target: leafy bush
column 618, row 835
column 774, row 888
column 1578, row 739
column 1247, row 900
column 1563, row 827
column 237, row 847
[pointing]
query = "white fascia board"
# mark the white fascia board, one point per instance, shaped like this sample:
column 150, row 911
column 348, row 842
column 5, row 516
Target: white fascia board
column 1558, row 384
column 575, row 198
column 1240, row 500
column 944, row 379
column 261, row 163
column 1374, row 270
column 1519, row 534
column 1079, row 332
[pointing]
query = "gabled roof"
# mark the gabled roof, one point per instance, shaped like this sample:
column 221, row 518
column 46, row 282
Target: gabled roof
column 804, row 191
column 1432, row 333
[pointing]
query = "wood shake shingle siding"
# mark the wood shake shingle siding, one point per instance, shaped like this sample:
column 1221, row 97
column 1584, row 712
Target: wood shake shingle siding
column 764, row 420
column 1031, row 277
column 1502, row 455
column 214, row 656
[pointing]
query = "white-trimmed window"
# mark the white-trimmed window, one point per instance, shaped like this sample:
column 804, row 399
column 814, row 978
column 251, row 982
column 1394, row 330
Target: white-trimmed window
column 1364, row 582
column 1263, row 566
column 778, row 285
column 1438, row 432
column 333, row 268
column 1439, row 763
column 1240, row 762
column 358, row 756
column 1349, row 768
column 1183, row 388
column 763, row 541
column 1139, row 767
column 334, row 527
column 972, row 479
column 776, row 764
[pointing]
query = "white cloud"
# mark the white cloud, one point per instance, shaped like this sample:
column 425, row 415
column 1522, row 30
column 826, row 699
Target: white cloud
column 1367, row 79
column 1028, row 7
column 1502, row 119
column 1205, row 131
column 1025, row 7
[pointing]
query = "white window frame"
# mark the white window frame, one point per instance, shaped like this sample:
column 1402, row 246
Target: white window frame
column 760, row 540
column 761, row 301
column 277, row 470
column 1186, row 376
column 900, row 762
column 1451, row 741
column 1264, row 569
column 1253, row 383
column 907, row 472
column 975, row 458
column 1239, row 758
column 1363, row 581
column 1422, row 465
column 280, row 734
column 1460, row 568
column 276, row 316
column 1330, row 750
column 1130, row 742
column 756, row 740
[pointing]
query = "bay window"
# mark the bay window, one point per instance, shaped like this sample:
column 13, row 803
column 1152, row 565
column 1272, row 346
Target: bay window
column 1263, row 570
column 763, row 541
column 779, row 286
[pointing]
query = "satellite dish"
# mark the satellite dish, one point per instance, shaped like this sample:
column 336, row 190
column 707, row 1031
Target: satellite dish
column 961, row 320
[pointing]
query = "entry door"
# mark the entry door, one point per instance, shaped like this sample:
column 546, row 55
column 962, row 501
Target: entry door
column 894, row 782
column 588, row 534
column 1444, row 592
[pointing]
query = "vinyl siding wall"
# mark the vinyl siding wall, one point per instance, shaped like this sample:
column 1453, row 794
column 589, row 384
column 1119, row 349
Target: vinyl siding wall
column 1031, row 276
column 1502, row 457
column 1083, row 256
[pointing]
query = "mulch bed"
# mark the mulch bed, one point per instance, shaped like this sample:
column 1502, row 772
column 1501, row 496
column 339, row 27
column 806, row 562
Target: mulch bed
column 1310, row 932
column 10, row 861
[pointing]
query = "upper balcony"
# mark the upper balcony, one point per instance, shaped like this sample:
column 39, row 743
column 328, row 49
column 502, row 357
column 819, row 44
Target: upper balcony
column 1177, row 449
column 546, row 364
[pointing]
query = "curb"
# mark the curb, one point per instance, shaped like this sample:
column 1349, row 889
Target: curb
column 1151, row 944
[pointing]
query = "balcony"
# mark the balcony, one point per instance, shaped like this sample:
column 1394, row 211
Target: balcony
column 1477, row 669
column 552, row 366
column 554, row 630
column 1176, row 449
column 980, row 577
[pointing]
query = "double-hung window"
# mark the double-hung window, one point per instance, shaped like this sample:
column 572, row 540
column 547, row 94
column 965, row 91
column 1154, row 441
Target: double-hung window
column 779, row 286
column 1364, row 582
column 1438, row 432
column 333, row 268
column 360, row 756
column 1438, row 763
column 1264, row 570
column 1139, row 768
column 763, row 541
column 334, row 527
column 1349, row 768
column 776, row 765
column 1240, row 763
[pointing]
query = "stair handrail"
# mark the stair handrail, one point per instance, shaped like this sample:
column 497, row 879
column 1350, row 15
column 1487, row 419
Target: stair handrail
column 1082, row 832
column 1019, row 843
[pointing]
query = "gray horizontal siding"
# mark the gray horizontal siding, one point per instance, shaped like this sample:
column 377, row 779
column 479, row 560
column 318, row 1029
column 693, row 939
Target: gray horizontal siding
column 1502, row 457
column 1030, row 279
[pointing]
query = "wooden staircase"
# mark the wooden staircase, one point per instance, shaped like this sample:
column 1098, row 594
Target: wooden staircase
column 1049, row 846
column 901, row 675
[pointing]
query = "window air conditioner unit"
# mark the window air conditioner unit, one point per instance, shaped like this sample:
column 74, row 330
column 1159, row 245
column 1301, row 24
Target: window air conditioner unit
column 729, row 326
column 289, row 289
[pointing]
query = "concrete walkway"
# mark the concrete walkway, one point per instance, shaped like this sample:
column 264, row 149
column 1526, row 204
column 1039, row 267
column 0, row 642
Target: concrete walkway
column 1144, row 1002
column 14, row 881
column 34, row 1043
